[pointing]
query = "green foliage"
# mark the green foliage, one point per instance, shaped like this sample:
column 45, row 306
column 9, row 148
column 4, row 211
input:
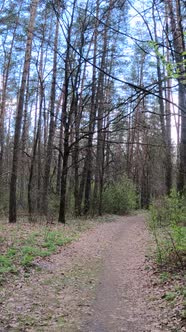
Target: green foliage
column 6, row 265
column 173, row 70
column 164, row 276
column 170, row 296
column 27, row 260
column 167, row 223
column 179, row 291
column 55, row 238
column 28, row 254
column 120, row 197
column 50, row 242
column 11, row 252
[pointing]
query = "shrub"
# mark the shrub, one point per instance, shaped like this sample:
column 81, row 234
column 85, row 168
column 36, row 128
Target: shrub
column 120, row 197
column 167, row 223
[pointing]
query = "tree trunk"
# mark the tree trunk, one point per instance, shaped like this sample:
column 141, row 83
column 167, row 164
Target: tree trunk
column 60, row 146
column 6, row 72
column 182, row 167
column 33, row 159
column 67, row 117
column 164, row 128
column 19, row 115
column 23, row 148
column 51, row 127
column 98, row 188
column 92, row 119
column 173, row 8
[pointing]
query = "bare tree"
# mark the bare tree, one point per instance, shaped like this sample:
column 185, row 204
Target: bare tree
column 52, row 126
column 19, row 115
column 174, row 9
column 67, row 118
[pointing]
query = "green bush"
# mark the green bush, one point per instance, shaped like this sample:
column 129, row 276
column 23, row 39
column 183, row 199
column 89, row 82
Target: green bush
column 120, row 197
column 167, row 223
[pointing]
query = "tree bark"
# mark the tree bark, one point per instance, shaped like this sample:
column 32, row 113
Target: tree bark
column 6, row 73
column 92, row 119
column 19, row 115
column 165, row 129
column 67, row 117
column 98, row 187
column 51, row 127
column 176, row 25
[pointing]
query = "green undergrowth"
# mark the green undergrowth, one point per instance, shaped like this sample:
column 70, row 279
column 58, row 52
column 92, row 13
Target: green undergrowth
column 22, row 243
column 120, row 197
column 173, row 296
column 168, row 225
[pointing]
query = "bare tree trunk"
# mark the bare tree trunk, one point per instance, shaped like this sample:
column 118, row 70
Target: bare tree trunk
column 75, row 160
column 67, row 117
column 6, row 71
column 51, row 127
column 59, row 161
column 176, row 25
column 23, row 149
column 164, row 127
column 182, row 167
column 13, row 186
column 92, row 119
column 35, row 145
column 78, row 84
column 98, row 188
column 168, row 121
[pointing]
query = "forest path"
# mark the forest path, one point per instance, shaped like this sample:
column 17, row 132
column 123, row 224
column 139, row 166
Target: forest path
column 97, row 284
column 121, row 302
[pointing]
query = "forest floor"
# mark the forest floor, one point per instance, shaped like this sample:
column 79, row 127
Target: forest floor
column 104, row 281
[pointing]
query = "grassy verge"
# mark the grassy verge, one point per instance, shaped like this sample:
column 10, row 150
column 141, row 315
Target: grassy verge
column 69, row 288
column 22, row 243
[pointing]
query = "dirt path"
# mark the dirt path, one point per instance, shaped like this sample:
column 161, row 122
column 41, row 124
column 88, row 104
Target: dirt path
column 121, row 301
column 97, row 284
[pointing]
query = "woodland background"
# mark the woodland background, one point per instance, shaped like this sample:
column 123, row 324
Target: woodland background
column 92, row 105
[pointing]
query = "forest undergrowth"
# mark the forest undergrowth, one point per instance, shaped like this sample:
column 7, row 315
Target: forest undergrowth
column 22, row 243
column 167, row 223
